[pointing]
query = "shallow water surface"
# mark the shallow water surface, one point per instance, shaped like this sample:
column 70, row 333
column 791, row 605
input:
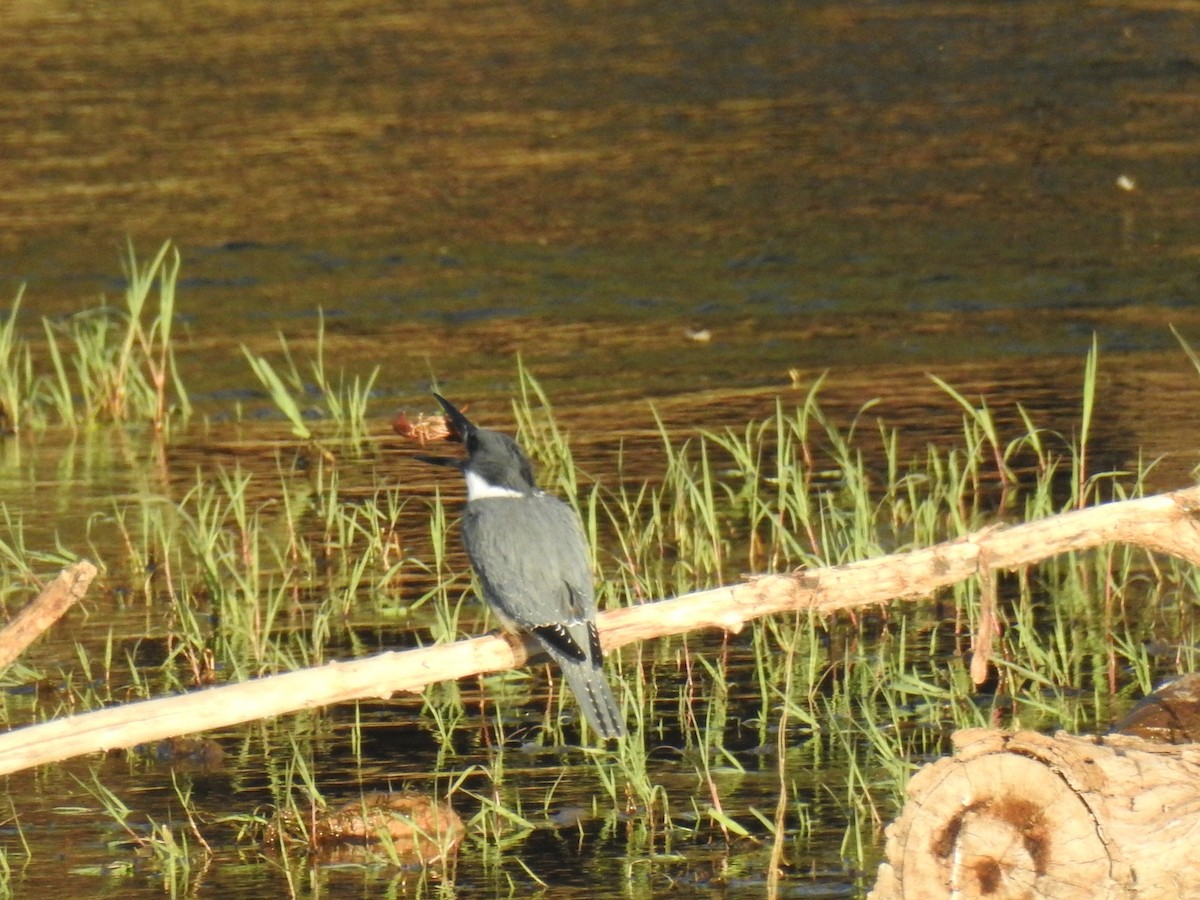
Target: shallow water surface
column 677, row 215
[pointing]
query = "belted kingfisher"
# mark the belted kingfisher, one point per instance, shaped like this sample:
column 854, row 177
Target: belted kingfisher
column 530, row 554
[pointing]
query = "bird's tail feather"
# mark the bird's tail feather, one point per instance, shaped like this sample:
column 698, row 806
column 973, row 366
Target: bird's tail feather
column 595, row 697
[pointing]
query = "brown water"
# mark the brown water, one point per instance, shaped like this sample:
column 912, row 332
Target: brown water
column 877, row 189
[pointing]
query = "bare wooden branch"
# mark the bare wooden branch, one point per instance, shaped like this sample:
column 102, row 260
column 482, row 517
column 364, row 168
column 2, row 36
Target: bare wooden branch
column 1166, row 523
column 378, row 676
column 46, row 609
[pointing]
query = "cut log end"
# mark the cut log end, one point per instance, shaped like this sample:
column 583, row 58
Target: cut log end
column 995, row 826
column 1029, row 816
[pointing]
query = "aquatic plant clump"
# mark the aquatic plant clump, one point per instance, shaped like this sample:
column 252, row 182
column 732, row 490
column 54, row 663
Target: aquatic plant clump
column 117, row 364
column 108, row 364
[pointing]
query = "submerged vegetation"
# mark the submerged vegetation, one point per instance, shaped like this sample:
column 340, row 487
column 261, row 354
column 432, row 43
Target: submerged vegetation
column 787, row 743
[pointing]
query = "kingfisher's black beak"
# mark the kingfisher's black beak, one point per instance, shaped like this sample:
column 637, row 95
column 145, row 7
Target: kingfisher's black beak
column 449, row 462
column 459, row 424
column 460, row 428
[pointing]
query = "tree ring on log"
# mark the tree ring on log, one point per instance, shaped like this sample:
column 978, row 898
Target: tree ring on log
column 997, row 826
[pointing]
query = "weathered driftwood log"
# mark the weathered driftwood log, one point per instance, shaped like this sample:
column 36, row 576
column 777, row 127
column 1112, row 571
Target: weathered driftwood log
column 1031, row 816
column 46, row 609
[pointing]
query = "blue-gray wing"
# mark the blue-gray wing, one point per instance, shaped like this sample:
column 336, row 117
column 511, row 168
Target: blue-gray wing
column 531, row 558
column 532, row 561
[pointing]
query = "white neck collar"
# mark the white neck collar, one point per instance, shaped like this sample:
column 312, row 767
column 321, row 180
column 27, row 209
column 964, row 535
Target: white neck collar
column 479, row 488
